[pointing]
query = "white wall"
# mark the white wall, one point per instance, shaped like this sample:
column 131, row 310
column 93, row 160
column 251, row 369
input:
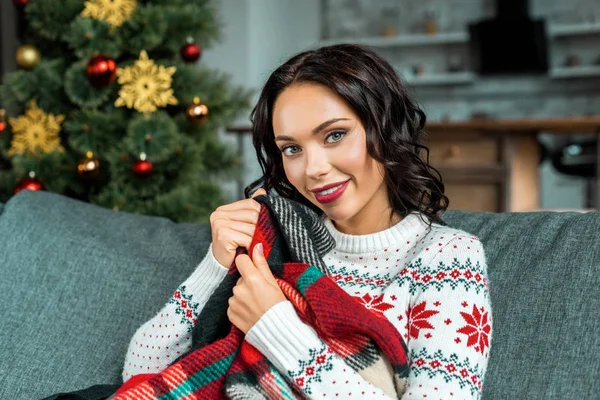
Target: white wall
column 231, row 54
column 278, row 30
column 258, row 35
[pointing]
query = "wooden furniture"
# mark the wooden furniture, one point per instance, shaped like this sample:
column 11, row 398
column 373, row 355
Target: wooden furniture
column 492, row 165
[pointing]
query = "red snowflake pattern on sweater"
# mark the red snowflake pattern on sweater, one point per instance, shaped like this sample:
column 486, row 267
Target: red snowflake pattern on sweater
column 418, row 319
column 375, row 303
column 425, row 281
column 478, row 328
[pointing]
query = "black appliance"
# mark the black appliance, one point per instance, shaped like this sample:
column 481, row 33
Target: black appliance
column 510, row 43
column 579, row 158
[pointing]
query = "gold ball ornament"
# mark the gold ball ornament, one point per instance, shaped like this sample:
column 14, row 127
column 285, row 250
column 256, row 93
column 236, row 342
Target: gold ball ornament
column 197, row 113
column 89, row 166
column 28, row 56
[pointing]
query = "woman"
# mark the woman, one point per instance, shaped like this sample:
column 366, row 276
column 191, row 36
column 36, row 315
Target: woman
column 335, row 129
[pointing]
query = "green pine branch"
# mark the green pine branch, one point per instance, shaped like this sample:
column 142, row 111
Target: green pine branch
column 189, row 161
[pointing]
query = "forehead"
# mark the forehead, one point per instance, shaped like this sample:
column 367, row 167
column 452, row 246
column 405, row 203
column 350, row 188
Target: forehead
column 303, row 107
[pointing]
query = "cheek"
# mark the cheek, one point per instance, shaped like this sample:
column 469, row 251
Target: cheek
column 367, row 171
column 293, row 172
column 354, row 159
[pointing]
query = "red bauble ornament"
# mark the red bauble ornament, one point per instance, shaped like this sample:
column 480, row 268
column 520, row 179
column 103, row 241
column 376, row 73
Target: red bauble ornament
column 190, row 52
column 101, row 70
column 29, row 184
column 20, row 3
column 143, row 167
column 2, row 121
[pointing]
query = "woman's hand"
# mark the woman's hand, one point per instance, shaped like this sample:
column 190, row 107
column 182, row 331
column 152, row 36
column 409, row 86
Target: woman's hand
column 255, row 292
column 232, row 226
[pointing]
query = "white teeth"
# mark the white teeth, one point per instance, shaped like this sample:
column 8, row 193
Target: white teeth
column 329, row 191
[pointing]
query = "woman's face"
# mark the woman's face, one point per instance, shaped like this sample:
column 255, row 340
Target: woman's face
column 323, row 142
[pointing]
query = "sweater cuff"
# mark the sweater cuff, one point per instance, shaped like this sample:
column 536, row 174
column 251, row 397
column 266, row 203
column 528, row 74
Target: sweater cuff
column 207, row 275
column 282, row 337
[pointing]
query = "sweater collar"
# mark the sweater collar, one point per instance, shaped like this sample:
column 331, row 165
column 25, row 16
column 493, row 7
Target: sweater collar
column 406, row 229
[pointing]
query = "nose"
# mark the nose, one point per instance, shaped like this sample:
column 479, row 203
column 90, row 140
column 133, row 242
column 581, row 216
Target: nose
column 317, row 164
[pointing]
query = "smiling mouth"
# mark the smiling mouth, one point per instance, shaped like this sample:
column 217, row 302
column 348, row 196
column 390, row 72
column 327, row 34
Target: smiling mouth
column 331, row 194
column 329, row 191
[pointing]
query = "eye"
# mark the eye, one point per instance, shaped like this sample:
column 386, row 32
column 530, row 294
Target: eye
column 283, row 149
column 332, row 134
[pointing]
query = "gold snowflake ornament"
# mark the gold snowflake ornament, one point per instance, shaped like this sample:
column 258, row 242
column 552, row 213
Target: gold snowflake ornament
column 114, row 12
column 35, row 132
column 145, row 86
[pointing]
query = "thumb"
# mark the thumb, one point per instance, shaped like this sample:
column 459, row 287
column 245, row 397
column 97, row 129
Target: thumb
column 260, row 261
column 245, row 265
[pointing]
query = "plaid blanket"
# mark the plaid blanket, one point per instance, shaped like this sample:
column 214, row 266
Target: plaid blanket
column 223, row 365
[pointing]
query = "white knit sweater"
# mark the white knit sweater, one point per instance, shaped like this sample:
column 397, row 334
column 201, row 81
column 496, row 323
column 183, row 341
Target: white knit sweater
column 431, row 283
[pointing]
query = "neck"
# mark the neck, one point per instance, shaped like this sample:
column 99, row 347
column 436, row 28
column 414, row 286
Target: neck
column 380, row 239
column 367, row 226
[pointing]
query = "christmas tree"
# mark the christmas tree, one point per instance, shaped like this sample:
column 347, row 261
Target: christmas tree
column 110, row 106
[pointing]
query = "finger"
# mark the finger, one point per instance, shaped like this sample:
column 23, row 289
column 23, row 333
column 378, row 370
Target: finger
column 245, row 265
column 261, row 263
column 249, row 204
column 243, row 215
column 233, row 239
column 238, row 292
column 230, row 312
column 245, row 228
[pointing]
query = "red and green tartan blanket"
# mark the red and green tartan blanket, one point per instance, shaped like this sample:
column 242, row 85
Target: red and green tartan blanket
column 223, row 365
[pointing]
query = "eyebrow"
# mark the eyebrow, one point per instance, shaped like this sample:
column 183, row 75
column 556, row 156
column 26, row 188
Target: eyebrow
column 315, row 130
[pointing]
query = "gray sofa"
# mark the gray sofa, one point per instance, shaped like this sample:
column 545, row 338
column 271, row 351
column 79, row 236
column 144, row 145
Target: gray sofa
column 77, row 280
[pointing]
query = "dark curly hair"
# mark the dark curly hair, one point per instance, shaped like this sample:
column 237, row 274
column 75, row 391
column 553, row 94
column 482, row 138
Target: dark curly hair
column 392, row 120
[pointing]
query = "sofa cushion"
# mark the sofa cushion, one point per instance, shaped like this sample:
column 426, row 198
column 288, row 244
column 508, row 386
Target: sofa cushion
column 544, row 270
column 77, row 281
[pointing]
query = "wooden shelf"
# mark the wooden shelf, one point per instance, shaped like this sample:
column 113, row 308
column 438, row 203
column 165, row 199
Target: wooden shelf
column 450, row 78
column 479, row 173
column 574, row 72
column 403, row 40
column 584, row 124
column 588, row 28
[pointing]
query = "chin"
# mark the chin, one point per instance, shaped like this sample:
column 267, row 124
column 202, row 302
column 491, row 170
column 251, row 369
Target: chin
column 337, row 215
